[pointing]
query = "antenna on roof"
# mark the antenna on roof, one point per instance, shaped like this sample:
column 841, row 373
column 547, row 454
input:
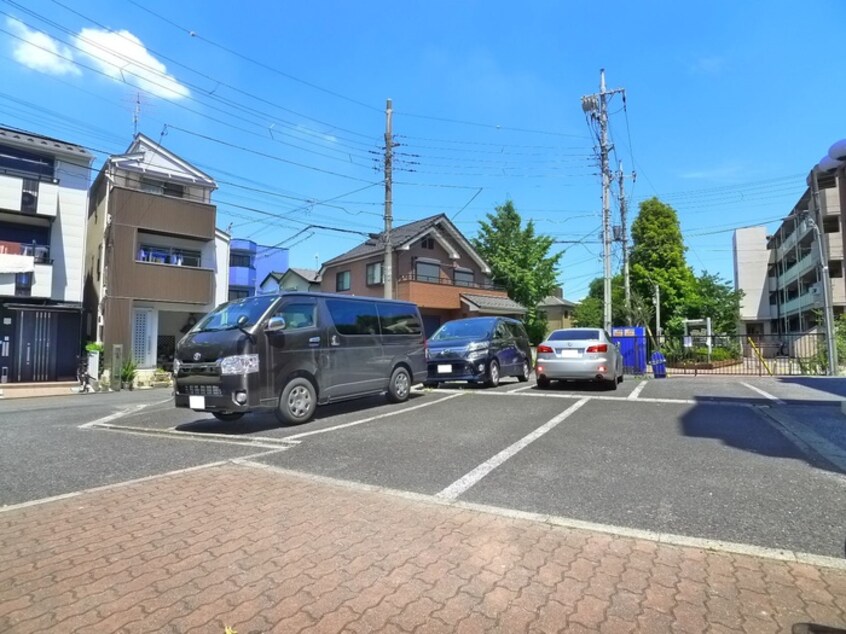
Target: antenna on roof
column 317, row 261
column 136, row 114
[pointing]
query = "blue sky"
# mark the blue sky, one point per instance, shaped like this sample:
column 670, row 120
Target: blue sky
column 728, row 108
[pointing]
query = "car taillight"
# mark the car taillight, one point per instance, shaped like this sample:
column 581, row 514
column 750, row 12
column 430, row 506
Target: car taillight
column 547, row 349
column 603, row 347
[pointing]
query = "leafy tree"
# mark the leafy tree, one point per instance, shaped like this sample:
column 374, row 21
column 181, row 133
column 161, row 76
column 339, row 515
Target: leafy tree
column 717, row 299
column 519, row 260
column 657, row 257
column 589, row 313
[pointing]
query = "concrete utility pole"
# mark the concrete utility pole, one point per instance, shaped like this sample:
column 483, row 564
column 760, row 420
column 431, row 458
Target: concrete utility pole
column 625, row 240
column 828, row 309
column 597, row 106
column 387, row 266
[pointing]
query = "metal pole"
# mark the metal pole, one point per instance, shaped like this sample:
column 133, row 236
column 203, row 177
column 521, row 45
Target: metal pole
column 625, row 240
column 606, row 207
column 387, row 266
column 828, row 309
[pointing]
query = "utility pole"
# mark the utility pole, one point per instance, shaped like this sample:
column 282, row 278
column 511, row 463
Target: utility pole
column 597, row 106
column 625, row 240
column 828, row 310
column 387, row 266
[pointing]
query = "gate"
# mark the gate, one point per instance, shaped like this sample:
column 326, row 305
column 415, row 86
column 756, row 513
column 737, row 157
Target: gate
column 756, row 355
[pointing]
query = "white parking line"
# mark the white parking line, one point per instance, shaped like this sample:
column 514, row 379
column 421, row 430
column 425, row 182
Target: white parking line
column 371, row 418
column 636, row 392
column 468, row 480
column 763, row 393
column 121, row 413
column 520, row 389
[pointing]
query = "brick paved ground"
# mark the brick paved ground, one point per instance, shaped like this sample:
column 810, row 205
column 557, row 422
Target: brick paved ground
column 268, row 552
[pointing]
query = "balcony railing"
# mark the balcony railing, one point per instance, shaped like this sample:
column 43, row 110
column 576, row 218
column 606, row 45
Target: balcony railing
column 41, row 252
column 431, row 279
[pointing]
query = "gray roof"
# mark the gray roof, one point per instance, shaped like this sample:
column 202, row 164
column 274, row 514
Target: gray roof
column 552, row 300
column 41, row 143
column 494, row 303
column 399, row 235
column 309, row 275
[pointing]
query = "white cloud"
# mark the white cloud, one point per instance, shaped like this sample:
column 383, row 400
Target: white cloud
column 123, row 57
column 40, row 52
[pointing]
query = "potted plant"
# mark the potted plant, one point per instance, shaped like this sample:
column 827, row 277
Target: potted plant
column 127, row 374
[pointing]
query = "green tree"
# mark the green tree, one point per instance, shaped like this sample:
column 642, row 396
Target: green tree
column 657, row 257
column 588, row 313
column 717, row 299
column 519, row 260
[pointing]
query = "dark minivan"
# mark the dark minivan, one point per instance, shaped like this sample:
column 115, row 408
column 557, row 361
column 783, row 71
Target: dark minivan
column 479, row 350
column 298, row 350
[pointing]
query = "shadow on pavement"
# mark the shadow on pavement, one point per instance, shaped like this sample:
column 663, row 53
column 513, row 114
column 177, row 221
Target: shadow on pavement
column 265, row 420
column 832, row 385
column 747, row 430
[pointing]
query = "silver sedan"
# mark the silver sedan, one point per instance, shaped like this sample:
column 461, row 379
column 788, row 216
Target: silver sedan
column 586, row 354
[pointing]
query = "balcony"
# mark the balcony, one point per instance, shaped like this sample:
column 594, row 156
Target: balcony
column 440, row 293
column 36, row 284
column 804, row 266
column 29, row 196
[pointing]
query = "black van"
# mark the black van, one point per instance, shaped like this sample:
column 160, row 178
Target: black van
column 298, row 350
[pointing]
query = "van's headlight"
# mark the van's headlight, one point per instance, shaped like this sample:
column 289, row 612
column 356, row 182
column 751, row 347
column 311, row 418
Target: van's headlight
column 176, row 364
column 477, row 349
column 240, row 364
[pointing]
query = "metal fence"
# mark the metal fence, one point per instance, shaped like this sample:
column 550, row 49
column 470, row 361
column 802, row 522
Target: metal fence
column 754, row 355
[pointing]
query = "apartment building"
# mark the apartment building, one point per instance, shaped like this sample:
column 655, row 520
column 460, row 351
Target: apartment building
column 780, row 273
column 155, row 263
column 250, row 263
column 434, row 266
column 43, row 201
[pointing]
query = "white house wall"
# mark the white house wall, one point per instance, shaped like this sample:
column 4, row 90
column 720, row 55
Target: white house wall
column 221, row 290
column 67, row 235
column 11, row 190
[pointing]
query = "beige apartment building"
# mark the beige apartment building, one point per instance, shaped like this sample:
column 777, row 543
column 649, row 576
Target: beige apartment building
column 780, row 274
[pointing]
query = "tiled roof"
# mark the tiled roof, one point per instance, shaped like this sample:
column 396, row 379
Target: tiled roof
column 489, row 302
column 399, row 235
column 309, row 275
column 552, row 300
column 38, row 142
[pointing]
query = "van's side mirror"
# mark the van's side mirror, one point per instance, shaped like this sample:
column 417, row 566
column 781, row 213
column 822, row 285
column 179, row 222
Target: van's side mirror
column 275, row 324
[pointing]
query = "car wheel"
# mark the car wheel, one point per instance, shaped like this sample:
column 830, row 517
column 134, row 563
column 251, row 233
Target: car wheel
column 620, row 379
column 493, row 374
column 227, row 416
column 297, row 402
column 524, row 375
column 400, row 385
column 612, row 384
column 543, row 382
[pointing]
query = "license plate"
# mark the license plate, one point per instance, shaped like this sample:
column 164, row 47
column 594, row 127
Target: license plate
column 568, row 353
column 197, row 402
column 444, row 369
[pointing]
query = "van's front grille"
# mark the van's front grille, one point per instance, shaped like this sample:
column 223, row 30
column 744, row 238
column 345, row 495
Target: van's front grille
column 199, row 369
column 200, row 390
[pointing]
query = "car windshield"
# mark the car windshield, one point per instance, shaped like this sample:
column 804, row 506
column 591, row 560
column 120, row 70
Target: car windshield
column 573, row 335
column 464, row 329
column 225, row 316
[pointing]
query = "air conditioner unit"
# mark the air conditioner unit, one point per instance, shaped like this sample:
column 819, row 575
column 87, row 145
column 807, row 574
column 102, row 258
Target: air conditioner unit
column 29, row 202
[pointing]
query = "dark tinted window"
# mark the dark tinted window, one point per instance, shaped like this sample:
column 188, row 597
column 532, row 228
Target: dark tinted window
column 225, row 316
column 502, row 331
column 465, row 329
column 399, row 319
column 517, row 330
column 574, row 335
column 298, row 314
column 354, row 317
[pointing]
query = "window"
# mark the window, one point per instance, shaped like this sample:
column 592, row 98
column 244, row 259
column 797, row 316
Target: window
column 399, row 319
column 354, row 317
column 502, row 331
column 572, row 334
column 241, row 260
column 20, row 162
column 374, row 274
column 463, row 277
column 835, row 268
column 169, row 255
column 517, row 330
column 427, row 243
column 831, row 224
column 427, row 270
column 342, row 281
column 238, row 293
column 298, row 315
column 162, row 188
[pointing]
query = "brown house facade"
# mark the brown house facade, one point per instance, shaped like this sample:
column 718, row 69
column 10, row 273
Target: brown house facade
column 153, row 256
column 434, row 266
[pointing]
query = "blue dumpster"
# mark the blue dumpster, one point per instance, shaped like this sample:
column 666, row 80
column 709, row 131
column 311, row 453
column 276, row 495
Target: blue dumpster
column 659, row 366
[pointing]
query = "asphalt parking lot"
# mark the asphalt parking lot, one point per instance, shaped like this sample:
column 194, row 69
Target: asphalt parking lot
column 739, row 459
